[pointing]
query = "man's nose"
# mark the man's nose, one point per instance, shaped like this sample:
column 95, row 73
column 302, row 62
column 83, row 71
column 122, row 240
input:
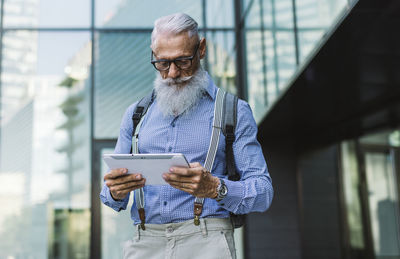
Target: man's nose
column 173, row 71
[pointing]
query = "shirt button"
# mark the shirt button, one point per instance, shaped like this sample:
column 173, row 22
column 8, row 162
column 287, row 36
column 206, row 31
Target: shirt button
column 170, row 229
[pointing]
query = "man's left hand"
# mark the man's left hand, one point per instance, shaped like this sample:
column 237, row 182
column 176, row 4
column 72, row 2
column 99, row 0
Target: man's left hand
column 195, row 180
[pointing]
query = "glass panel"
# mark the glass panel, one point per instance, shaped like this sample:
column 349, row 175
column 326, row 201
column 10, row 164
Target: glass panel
column 246, row 4
column 314, row 17
column 123, row 75
column 394, row 138
column 221, row 56
column 286, row 54
column 253, row 19
column 318, row 13
column 351, row 184
column 271, row 58
column 139, row 13
column 47, row 13
column 387, row 138
column 307, row 41
column 282, row 13
column 383, row 204
column 44, row 145
column 220, row 13
column 116, row 227
column 276, row 14
column 268, row 12
column 255, row 77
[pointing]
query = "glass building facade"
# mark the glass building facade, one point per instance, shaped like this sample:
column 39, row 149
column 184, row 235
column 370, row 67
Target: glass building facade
column 370, row 168
column 68, row 71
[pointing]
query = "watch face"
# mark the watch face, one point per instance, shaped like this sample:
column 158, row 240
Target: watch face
column 224, row 190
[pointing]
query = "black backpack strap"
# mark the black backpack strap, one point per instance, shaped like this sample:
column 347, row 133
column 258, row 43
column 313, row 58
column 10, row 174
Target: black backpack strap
column 140, row 110
column 228, row 128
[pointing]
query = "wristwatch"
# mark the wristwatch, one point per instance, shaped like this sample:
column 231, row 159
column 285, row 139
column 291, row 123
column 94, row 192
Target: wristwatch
column 222, row 190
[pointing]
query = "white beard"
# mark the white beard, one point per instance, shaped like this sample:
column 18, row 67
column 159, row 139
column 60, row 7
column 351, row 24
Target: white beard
column 178, row 96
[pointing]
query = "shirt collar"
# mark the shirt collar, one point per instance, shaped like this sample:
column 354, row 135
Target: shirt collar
column 211, row 89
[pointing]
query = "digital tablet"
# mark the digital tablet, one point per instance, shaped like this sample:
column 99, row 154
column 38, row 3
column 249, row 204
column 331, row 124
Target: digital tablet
column 151, row 166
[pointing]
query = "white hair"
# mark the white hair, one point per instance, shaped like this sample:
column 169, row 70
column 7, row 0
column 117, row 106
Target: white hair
column 174, row 24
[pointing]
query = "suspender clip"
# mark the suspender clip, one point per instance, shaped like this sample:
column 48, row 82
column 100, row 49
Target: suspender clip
column 142, row 217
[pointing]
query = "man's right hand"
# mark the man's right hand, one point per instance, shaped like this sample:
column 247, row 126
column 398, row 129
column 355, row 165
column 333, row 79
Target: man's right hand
column 120, row 183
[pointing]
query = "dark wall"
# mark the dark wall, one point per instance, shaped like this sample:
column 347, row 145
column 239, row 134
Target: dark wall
column 304, row 219
column 275, row 233
column 319, row 204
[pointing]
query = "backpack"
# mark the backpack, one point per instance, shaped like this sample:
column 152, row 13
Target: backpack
column 229, row 119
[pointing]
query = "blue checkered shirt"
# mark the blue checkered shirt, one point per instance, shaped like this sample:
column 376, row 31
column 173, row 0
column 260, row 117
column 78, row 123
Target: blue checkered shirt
column 190, row 134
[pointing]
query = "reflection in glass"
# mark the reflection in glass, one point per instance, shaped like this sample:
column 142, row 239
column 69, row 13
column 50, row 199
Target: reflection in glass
column 307, row 41
column 45, row 145
column 383, row 204
column 221, row 58
column 318, row 13
column 314, row 17
column 47, row 13
column 281, row 13
column 351, row 184
column 253, row 18
column 258, row 95
column 123, row 75
column 286, row 53
column 219, row 13
column 270, row 51
column 142, row 14
column 387, row 138
column 116, row 227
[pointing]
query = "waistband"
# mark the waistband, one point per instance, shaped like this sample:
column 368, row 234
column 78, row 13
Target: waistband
column 185, row 227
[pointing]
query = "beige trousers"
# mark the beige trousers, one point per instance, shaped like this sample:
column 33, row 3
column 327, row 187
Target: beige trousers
column 212, row 239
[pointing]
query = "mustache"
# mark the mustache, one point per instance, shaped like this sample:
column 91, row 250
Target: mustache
column 176, row 81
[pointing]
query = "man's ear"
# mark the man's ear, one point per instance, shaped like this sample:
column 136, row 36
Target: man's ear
column 202, row 48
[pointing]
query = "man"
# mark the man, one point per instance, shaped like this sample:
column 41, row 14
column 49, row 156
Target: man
column 180, row 121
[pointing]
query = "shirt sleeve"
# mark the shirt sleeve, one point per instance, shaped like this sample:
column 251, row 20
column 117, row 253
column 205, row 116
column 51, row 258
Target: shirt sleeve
column 123, row 147
column 254, row 191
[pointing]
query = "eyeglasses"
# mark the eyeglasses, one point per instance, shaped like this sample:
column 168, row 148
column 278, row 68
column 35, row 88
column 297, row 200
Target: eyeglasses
column 182, row 63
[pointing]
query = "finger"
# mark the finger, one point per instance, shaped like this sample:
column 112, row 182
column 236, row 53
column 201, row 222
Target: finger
column 195, row 164
column 134, row 186
column 118, row 183
column 121, row 194
column 180, row 178
column 115, row 173
column 184, row 171
column 124, row 179
column 127, row 186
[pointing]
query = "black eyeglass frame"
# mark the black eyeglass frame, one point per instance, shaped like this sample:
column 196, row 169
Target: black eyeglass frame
column 174, row 60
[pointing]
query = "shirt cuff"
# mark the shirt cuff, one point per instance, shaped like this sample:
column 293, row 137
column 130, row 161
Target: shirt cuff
column 116, row 205
column 234, row 196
